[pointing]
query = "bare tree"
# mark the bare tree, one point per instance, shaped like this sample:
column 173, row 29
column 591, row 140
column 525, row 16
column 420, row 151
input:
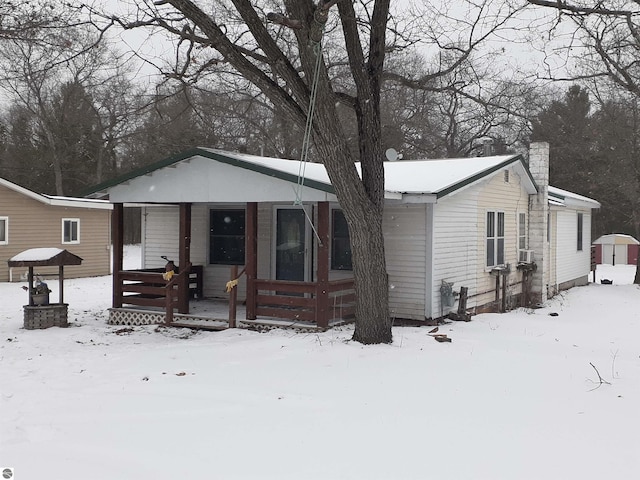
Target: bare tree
column 78, row 101
column 285, row 60
column 602, row 38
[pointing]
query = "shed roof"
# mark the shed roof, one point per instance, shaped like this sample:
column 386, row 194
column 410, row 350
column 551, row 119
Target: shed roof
column 616, row 239
column 205, row 174
column 44, row 257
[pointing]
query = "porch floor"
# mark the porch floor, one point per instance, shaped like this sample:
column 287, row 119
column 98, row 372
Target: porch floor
column 208, row 314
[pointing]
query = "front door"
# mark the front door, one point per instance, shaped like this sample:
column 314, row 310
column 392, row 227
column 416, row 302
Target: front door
column 292, row 244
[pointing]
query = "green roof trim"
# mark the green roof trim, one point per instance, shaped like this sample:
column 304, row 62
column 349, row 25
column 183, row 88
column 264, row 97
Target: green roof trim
column 271, row 172
column 206, row 153
column 485, row 173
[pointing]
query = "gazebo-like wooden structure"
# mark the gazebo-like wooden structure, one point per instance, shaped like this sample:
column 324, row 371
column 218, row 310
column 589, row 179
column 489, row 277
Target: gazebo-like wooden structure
column 45, row 315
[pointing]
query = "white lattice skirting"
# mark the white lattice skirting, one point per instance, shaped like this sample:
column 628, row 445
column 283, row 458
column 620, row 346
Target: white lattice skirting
column 118, row 316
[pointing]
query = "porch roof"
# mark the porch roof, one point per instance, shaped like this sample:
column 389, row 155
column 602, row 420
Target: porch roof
column 564, row 198
column 210, row 175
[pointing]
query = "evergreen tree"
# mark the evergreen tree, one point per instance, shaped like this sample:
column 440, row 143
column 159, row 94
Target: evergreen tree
column 566, row 126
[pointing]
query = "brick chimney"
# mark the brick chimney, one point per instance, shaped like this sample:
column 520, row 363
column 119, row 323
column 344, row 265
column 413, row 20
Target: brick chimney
column 538, row 220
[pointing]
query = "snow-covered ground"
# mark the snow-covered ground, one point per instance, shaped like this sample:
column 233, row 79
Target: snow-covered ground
column 513, row 396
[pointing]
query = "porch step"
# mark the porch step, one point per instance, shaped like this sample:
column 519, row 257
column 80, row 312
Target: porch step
column 185, row 321
column 198, row 326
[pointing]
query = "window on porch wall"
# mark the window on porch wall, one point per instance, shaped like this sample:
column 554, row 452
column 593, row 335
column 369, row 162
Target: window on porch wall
column 340, row 242
column 495, row 239
column 227, row 237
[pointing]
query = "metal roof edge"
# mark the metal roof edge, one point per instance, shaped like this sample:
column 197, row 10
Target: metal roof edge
column 24, row 191
column 56, row 201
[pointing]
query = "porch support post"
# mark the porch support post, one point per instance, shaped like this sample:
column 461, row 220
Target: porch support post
column 184, row 257
column 61, row 284
column 117, row 245
column 251, row 257
column 322, row 269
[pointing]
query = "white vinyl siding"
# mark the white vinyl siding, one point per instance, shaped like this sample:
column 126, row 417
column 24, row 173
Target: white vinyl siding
column 510, row 198
column 571, row 264
column 405, row 250
column 161, row 230
column 551, row 254
column 455, row 247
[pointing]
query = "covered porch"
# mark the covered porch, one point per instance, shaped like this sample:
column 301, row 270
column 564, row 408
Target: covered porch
column 224, row 215
column 150, row 296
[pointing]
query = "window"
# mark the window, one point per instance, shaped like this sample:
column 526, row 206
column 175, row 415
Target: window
column 580, row 222
column 495, row 238
column 522, row 231
column 340, row 244
column 226, row 237
column 70, row 230
column 4, row 230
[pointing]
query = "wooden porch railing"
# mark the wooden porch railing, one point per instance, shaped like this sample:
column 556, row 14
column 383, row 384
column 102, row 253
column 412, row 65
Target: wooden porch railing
column 305, row 301
column 150, row 289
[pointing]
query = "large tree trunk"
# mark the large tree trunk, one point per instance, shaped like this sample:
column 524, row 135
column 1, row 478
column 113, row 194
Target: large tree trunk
column 364, row 218
column 373, row 324
column 362, row 200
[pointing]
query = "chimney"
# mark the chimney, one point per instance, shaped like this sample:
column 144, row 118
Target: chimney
column 538, row 221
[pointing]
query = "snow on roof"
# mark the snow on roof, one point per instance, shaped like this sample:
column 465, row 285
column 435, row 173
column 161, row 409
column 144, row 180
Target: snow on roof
column 565, row 197
column 312, row 171
column 79, row 202
column 58, row 200
column 435, row 176
column 616, row 239
column 36, row 255
column 406, row 176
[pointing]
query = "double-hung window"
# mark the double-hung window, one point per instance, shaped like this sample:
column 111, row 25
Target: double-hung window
column 522, row 231
column 70, row 230
column 4, row 230
column 495, row 239
column 226, row 237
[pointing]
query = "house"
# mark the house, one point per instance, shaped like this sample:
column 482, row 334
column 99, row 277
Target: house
column 616, row 249
column 490, row 224
column 31, row 220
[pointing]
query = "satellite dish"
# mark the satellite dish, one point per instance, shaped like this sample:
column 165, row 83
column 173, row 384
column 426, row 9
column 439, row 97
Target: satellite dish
column 391, row 154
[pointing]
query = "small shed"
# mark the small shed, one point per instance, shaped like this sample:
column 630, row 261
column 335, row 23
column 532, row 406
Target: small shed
column 39, row 313
column 616, row 249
